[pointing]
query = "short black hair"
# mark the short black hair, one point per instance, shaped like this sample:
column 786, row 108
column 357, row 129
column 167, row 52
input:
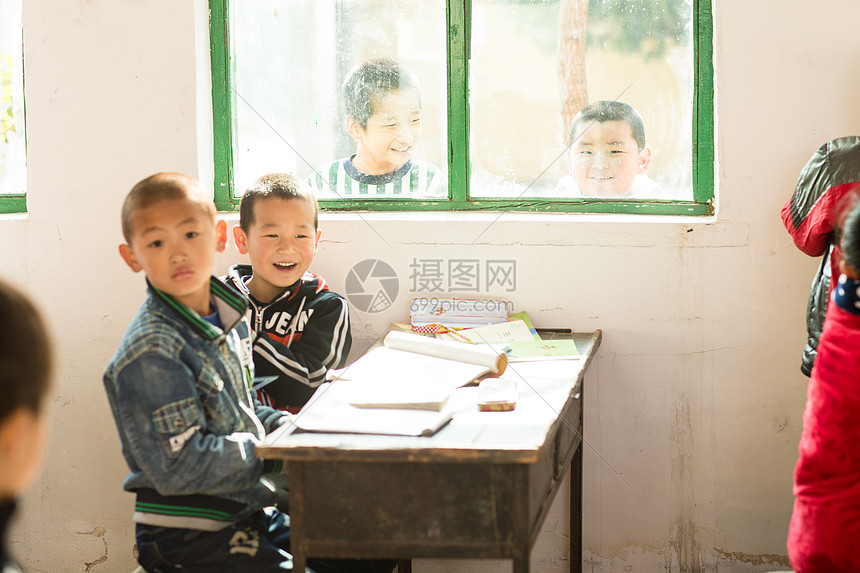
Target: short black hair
column 280, row 185
column 162, row 187
column 609, row 110
column 26, row 353
column 369, row 82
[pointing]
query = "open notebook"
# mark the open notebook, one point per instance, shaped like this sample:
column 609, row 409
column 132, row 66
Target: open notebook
column 327, row 412
column 410, row 371
column 400, row 388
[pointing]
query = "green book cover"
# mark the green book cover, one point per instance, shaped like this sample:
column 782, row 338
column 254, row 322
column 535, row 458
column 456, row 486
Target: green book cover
column 523, row 315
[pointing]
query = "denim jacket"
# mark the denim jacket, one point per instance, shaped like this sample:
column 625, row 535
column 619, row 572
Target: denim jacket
column 179, row 391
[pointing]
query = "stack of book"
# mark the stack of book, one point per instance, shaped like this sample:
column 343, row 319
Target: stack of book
column 428, row 314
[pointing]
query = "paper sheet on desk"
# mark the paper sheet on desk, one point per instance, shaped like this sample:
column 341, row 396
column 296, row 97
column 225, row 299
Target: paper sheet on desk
column 326, row 412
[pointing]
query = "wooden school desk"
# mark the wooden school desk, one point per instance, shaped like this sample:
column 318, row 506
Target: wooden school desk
column 480, row 487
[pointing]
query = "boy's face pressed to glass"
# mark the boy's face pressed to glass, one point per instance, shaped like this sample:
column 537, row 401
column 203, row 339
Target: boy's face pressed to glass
column 174, row 241
column 605, row 159
column 392, row 132
column 281, row 244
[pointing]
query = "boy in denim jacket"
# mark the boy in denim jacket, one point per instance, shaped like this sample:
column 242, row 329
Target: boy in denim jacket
column 178, row 388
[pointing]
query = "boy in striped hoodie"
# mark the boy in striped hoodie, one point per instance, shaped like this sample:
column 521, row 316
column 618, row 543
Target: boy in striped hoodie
column 383, row 116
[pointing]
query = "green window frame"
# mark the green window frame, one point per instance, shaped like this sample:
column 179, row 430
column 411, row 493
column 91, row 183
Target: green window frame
column 458, row 37
column 13, row 203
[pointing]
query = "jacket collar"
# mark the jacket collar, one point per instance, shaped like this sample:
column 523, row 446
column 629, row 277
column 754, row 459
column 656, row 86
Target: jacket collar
column 238, row 274
column 230, row 305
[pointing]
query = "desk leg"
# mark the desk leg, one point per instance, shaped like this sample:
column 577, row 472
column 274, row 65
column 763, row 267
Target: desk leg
column 521, row 562
column 404, row 566
column 297, row 516
column 576, row 511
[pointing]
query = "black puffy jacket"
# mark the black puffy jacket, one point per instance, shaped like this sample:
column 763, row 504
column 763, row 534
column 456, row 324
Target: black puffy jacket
column 828, row 186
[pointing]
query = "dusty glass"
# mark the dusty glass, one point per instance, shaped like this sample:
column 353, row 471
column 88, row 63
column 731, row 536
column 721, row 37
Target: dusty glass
column 13, row 164
column 290, row 60
column 536, row 63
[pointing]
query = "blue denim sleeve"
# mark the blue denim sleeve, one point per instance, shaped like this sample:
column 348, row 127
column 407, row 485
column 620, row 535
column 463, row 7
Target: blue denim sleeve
column 184, row 440
column 271, row 418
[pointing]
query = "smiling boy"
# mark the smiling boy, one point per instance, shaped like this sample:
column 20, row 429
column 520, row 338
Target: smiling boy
column 383, row 117
column 179, row 391
column 300, row 327
column 607, row 153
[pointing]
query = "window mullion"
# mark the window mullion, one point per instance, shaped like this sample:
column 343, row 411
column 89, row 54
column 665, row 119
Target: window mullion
column 703, row 114
column 458, row 105
column 223, row 123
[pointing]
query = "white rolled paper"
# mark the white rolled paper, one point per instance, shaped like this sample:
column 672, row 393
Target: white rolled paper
column 479, row 354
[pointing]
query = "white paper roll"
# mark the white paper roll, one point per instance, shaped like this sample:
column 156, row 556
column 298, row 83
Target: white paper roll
column 460, row 351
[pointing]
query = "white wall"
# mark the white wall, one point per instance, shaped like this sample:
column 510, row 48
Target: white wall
column 694, row 402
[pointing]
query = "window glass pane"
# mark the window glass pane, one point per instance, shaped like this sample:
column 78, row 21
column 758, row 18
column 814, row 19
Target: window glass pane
column 13, row 175
column 535, row 63
column 290, row 61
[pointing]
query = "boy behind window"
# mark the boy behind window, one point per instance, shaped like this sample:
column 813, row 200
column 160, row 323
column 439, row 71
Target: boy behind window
column 383, row 116
column 608, row 155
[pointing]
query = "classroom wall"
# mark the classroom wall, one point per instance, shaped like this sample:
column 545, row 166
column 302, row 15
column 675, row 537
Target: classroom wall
column 694, row 401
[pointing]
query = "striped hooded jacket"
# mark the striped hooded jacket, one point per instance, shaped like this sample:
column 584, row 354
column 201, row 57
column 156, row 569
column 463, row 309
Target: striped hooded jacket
column 340, row 179
column 827, row 187
column 297, row 337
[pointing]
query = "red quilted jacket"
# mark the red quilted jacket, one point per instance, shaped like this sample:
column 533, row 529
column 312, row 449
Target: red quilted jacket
column 825, row 524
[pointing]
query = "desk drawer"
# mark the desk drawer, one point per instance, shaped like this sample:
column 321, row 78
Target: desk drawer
column 383, row 503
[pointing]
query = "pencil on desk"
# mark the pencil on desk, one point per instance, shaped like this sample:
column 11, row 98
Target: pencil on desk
column 456, row 334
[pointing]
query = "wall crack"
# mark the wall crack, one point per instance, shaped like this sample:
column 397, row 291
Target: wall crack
column 99, row 532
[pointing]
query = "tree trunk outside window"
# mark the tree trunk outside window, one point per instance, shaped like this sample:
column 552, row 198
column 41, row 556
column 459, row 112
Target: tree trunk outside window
column 572, row 16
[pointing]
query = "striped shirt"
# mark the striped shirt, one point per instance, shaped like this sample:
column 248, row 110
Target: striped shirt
column 341, row 180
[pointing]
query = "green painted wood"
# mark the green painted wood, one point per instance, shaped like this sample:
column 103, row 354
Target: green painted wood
column 523, row 205
column 703, row 116
column 458, row 101
column 13, row 203
column 223, row 122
